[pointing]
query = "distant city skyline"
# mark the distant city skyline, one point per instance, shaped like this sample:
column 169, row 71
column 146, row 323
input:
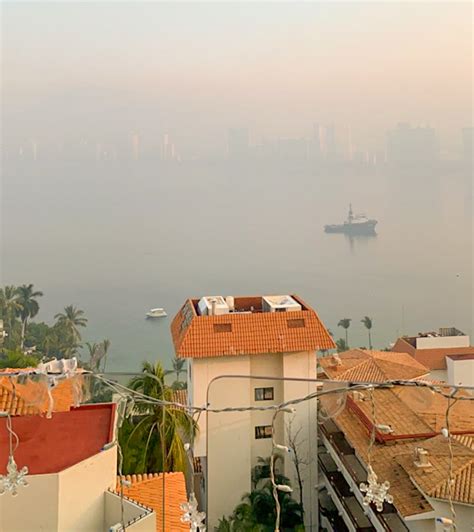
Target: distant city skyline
column 272, row 69
column 403, row 142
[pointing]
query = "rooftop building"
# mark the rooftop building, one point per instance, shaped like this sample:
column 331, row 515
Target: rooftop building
column 266, row 346
column 71, row 458
column 71, row 461
column 363, row 365
column 432, row 348
column 409, row 452
column 218, row 326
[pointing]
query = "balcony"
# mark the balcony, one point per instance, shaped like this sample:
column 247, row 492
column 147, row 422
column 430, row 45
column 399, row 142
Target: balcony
column 337, row 485
column 352, row 472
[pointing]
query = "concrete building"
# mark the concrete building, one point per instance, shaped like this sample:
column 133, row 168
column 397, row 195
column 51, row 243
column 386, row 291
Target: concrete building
column 432, row 348
column 409, row 451
column 71, row 463
column 275, row 337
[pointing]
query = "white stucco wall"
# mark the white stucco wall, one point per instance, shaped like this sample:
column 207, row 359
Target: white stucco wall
column 436, row 342
column 113, row 514
column 229, row 445
column 34, row 508
column 232, row 447
column 304, row 365
column 70, row 501
column 81, row 492
column 460, row 372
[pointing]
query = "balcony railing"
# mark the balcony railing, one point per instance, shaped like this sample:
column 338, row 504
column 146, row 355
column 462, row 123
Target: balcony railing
column 388, row 518
column 347, row 499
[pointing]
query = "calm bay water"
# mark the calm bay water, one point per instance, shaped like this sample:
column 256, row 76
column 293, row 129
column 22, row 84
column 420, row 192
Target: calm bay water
column 117, row 239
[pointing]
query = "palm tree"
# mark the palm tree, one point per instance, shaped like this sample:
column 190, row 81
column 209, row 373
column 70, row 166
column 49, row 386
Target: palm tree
column 29, row 307
column 105, row 349
column 341, row 345
column 256, row 512
column 9, row 305
column 368, row 325
column 94, row 354
column 178, row 367
column 71, row 319
column 345, row 323
column 154, row 438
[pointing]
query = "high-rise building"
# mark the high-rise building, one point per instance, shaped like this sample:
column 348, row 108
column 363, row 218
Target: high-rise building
column 272, row 336
column 407, row 145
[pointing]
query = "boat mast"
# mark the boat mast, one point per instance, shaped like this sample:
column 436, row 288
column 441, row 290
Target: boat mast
column 351, row 214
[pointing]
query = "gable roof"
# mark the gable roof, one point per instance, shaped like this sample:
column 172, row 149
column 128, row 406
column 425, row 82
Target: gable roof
column 147, row 489
column 52, row 445
column 431, row 358
column 392, row 454
column 363, row 365
column 31, row 396
column 435, row 481
column 247, row 333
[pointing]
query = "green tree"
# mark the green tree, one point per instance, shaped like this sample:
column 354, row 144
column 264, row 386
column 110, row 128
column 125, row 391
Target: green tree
column 341, row 345
column 29, row 307
column 71, row 319
column 179, row 366
column 368, row 325
column 345, row 323
column 257, row 512
column 153, row 438
column 17, row 359
column 105, row 346
column 9, row 307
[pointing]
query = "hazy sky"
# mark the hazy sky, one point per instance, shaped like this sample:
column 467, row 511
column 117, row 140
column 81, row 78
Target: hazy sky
column 196, row 69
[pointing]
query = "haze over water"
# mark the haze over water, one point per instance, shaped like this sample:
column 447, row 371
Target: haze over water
column 121, row 230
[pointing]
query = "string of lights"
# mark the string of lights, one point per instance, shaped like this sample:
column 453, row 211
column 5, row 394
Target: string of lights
column 375, row 492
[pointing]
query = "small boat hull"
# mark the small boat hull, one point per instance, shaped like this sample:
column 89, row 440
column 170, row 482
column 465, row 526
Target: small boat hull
column 156, row 313
column 366, row 228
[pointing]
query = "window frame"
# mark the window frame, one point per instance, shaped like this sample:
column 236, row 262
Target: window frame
column 263, row 432
column 263, row 390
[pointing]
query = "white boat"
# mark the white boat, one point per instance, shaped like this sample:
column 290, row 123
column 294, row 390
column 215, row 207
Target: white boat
column 156, row 313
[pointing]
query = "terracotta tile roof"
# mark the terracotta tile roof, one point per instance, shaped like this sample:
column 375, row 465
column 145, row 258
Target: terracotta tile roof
column 363, row 365
column 248, row 333
column 407, row 498
column 431, row 358
column 392, row 460
column 434, row 481
column 148, row 490
column 431, row 407
column 180, row 396
column 31, row 396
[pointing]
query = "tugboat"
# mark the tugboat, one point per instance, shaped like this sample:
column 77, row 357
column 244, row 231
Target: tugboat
column 356, row 224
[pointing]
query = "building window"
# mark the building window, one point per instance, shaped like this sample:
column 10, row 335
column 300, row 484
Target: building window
column 295, row 323
column 263, row 431
column 263, row 394
column 222, row 327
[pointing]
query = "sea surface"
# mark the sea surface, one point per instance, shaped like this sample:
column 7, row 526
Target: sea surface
column 118, row 238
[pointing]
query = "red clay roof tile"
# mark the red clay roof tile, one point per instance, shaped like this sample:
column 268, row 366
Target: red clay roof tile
column 249, row 333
